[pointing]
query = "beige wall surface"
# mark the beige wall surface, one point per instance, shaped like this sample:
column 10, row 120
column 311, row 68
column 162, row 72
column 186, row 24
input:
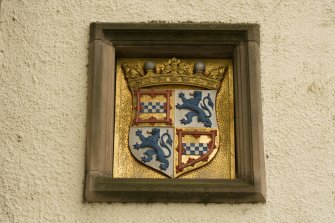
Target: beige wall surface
column 43, row 90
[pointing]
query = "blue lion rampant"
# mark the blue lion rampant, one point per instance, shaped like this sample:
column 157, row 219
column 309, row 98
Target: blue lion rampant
column 155, row 148
column 193, row 105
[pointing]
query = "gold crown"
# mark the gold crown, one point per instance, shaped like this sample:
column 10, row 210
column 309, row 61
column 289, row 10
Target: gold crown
column 173, row 72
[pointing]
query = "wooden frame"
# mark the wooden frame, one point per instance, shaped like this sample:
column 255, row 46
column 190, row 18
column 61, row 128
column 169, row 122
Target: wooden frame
column 184, row 40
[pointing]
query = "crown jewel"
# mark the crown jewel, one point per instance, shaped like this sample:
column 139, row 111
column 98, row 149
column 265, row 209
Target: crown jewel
column 173, row 72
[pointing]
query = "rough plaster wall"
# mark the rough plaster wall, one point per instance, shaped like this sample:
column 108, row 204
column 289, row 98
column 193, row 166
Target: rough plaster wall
column 43, row 89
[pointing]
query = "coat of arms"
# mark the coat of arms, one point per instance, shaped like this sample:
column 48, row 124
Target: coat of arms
column 174, row 127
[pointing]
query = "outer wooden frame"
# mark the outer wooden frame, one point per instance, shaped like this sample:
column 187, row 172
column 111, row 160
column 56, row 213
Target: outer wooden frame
column 184, row 40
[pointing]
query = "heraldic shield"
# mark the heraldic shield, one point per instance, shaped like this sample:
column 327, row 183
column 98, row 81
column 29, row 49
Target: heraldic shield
column 174, row 127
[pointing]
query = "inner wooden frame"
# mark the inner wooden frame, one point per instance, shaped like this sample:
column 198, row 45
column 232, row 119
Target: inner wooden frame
column 240, row 43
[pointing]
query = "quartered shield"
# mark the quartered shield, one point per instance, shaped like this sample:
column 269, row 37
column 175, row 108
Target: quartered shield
column 174, row 127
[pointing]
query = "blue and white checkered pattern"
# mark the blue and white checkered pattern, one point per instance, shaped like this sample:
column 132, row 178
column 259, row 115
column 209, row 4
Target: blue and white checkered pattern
column 195, row 148
column 153, row 107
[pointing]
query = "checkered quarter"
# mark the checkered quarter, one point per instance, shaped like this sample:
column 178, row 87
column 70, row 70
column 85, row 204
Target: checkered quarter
column 195, row 148
column 153, row 107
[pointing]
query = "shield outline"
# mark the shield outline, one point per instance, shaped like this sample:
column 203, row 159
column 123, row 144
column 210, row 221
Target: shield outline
column 179, row 168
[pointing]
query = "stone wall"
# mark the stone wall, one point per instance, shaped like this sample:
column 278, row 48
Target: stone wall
column 43, row 90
